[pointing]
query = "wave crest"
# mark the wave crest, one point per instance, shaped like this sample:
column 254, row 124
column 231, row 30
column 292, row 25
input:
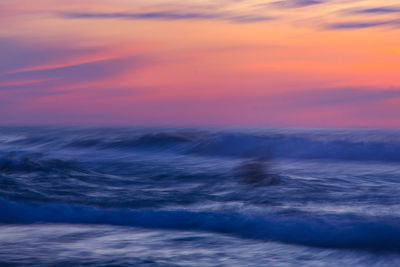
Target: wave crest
column 340, row 145
column 331, row 231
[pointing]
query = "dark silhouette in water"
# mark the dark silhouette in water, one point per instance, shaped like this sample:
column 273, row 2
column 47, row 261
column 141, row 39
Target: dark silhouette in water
column 256, row 172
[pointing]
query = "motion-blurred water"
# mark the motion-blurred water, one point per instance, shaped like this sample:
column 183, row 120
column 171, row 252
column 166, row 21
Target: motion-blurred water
column 177, row 197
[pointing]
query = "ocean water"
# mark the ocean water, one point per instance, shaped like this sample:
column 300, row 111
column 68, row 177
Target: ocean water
column 199, row 197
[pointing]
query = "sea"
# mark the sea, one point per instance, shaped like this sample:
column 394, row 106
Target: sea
column 110, row 196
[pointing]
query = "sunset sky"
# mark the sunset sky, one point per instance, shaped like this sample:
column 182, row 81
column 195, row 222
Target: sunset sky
column 273, row 63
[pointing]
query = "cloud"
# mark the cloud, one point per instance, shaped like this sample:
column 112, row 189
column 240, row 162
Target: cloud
column 361, row 24
column 377, row 10
column 295, row 3
column 342, row 96
column 169, row 15
column 71, row 74
column 82, row 80
column 301, row 100
column 16, row 54
column 359, row 18
column 27, row 71
column 95, row 69
column 317, row 98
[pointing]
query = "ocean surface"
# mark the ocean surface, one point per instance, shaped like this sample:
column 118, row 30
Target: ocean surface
column 199, row 197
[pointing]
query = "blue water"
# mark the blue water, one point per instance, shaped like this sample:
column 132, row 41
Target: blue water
column 199, row 197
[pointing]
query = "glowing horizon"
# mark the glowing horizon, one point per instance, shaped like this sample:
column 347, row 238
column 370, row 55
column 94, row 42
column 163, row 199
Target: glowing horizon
column 298, row 63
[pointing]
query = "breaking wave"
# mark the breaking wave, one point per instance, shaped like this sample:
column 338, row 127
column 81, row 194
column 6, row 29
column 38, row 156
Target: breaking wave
column 330, row 231
column 339, row 145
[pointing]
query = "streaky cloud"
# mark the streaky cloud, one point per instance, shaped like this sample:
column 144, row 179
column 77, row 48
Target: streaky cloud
column 169, row 15
column 361, row 24
column 248, row 18
column 78, row 72
column 377, row 10
column 15, row 54
column 343, row 96
column 28, row 71
column 148, row 15
column 295, row 3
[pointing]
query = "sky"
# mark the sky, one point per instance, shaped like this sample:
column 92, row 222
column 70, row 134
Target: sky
column 268, row 63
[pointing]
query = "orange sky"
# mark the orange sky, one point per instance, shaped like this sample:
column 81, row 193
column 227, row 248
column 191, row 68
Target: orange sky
column 299, row 63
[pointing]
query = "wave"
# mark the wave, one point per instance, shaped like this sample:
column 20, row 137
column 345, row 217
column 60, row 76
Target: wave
column 35, row 163
column 160, row 140
column 334, row 145
column 329, row 231
column 298, row 147
column 240, row 145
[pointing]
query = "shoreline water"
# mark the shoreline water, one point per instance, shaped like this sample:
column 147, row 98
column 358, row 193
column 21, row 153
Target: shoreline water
column 335, row 202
